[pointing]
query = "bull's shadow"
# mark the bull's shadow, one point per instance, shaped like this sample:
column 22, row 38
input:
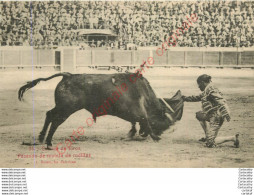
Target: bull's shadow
column 103, row 140
column 136, row 138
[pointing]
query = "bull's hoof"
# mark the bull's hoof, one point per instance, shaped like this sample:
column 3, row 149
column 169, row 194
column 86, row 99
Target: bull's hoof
column 155, row 137
column 41, row 138
column 144, row 134
column 49, row 147
column 131, row 133
column 140, row 132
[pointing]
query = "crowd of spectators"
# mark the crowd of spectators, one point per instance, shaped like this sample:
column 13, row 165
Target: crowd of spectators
column 143, row 23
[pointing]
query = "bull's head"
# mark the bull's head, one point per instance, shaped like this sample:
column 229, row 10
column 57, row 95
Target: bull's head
column 161, row 121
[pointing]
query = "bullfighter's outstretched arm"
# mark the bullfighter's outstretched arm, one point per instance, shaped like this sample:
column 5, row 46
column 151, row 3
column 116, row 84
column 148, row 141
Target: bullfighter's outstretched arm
column 193, row 98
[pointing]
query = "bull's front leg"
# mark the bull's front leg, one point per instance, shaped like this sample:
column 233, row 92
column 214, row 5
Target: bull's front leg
column 133, row 130
column 146, row 129
column 143, row 129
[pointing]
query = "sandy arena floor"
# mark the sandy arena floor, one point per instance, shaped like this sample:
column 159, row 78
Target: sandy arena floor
column 106, row 141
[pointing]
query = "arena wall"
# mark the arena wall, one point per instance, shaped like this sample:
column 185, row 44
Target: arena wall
column 72, row 58
column 25, row 57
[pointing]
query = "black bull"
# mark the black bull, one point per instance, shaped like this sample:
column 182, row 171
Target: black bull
column 127, row 96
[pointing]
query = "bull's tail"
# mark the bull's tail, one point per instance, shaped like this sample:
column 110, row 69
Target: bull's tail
column 31, row 84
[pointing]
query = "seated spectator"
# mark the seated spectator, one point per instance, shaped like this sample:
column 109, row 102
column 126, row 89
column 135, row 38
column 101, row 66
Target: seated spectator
column 92, row 44
column 98, row 43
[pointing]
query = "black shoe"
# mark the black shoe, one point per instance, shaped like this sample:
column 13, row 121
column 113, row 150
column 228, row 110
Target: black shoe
column 237, row 142
column 203, row 139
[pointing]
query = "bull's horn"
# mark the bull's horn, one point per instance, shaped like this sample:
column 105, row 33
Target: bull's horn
column 157, row 95
column 169, row 117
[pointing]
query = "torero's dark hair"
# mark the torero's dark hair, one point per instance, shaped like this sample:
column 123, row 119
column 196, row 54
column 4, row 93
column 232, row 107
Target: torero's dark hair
column 204, row 77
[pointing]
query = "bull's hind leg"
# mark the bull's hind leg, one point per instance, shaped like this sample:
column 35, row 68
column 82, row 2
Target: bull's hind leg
column 48, row 120
column 58, row 117
column 133, row 130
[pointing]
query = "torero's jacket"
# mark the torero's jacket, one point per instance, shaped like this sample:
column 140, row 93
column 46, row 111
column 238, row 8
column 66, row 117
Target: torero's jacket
column 212, row 101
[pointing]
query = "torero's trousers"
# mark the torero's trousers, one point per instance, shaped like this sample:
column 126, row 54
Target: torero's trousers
column 211, row 127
